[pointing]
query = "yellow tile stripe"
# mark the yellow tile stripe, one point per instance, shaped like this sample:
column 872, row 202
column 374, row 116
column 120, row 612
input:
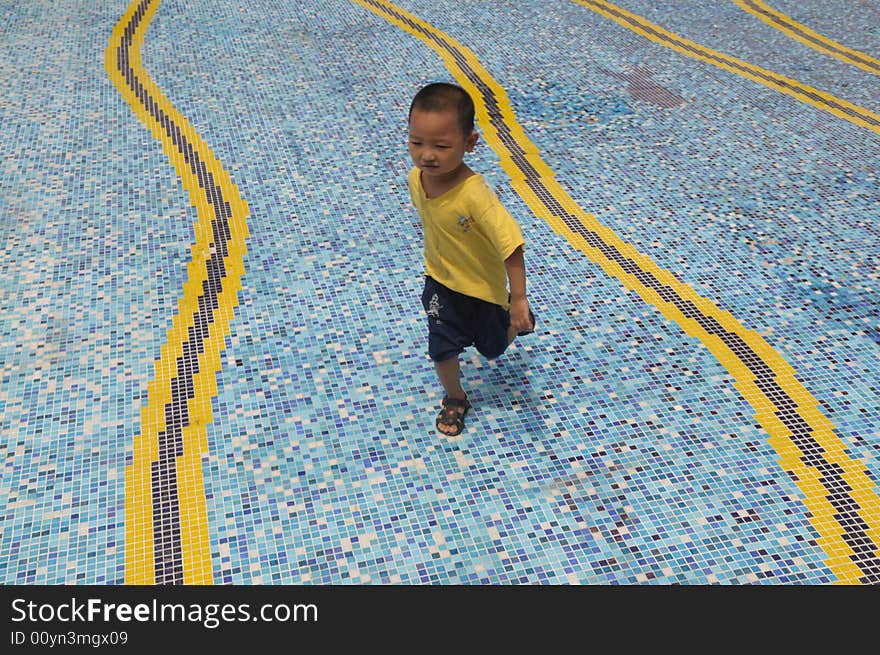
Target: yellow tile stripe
column 457, row 59
column 140, row 556
column 807, row 36
column 819, row 99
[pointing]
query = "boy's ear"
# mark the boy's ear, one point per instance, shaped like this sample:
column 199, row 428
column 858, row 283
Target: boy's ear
column 471, row 141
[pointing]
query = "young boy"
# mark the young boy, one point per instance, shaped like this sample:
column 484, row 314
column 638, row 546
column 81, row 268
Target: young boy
column 473, row 246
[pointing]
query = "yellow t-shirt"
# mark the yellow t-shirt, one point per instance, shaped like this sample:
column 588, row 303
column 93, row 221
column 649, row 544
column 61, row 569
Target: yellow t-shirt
column 468, row 235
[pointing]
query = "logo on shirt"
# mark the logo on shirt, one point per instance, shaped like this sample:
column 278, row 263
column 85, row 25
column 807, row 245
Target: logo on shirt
column 465, row 223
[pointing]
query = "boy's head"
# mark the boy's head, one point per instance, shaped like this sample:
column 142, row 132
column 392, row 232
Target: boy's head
column 441, row 130
column 443, row 97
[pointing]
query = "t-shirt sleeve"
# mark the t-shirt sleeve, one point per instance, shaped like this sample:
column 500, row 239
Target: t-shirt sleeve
column 497, row 224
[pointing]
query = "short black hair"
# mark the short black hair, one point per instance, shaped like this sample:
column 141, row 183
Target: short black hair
column 442, row 96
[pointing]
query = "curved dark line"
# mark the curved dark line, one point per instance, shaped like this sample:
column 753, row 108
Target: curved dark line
column 815, row 97
column 166, row 502
column 812, row 39
column 855, row 529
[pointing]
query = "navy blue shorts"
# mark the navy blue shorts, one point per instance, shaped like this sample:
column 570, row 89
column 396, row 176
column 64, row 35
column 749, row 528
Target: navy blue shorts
column 456, row 321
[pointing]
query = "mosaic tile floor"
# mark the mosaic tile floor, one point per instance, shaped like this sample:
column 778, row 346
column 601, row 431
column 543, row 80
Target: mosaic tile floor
column 214, row 362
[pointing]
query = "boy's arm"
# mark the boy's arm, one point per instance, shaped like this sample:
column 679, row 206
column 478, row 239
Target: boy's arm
column 516, row 276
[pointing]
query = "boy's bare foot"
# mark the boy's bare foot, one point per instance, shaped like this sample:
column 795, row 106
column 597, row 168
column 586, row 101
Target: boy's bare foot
column 450, row 420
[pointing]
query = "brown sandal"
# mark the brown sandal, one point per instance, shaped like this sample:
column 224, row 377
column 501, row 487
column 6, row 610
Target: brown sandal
column 452, row 414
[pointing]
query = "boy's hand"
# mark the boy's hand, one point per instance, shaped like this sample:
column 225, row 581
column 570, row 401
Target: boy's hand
column 519, row 315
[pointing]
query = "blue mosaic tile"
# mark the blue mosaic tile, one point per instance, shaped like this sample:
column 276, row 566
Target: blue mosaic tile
column 609, row 447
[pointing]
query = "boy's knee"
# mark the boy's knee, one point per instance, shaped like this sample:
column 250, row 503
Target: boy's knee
column 492, row 352
column 444, row 356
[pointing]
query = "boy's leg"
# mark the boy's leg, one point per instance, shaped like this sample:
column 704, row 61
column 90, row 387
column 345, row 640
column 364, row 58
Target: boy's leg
column 449, row 372
column 448, row 335
column 496, row 333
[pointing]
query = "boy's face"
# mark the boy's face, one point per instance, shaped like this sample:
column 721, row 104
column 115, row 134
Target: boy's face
column 436, row 143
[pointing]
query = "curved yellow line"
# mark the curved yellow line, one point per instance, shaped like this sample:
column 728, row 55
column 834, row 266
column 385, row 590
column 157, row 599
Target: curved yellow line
column 821, row 509
column 819, row 99
column 816, row 40
column 140, row 556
